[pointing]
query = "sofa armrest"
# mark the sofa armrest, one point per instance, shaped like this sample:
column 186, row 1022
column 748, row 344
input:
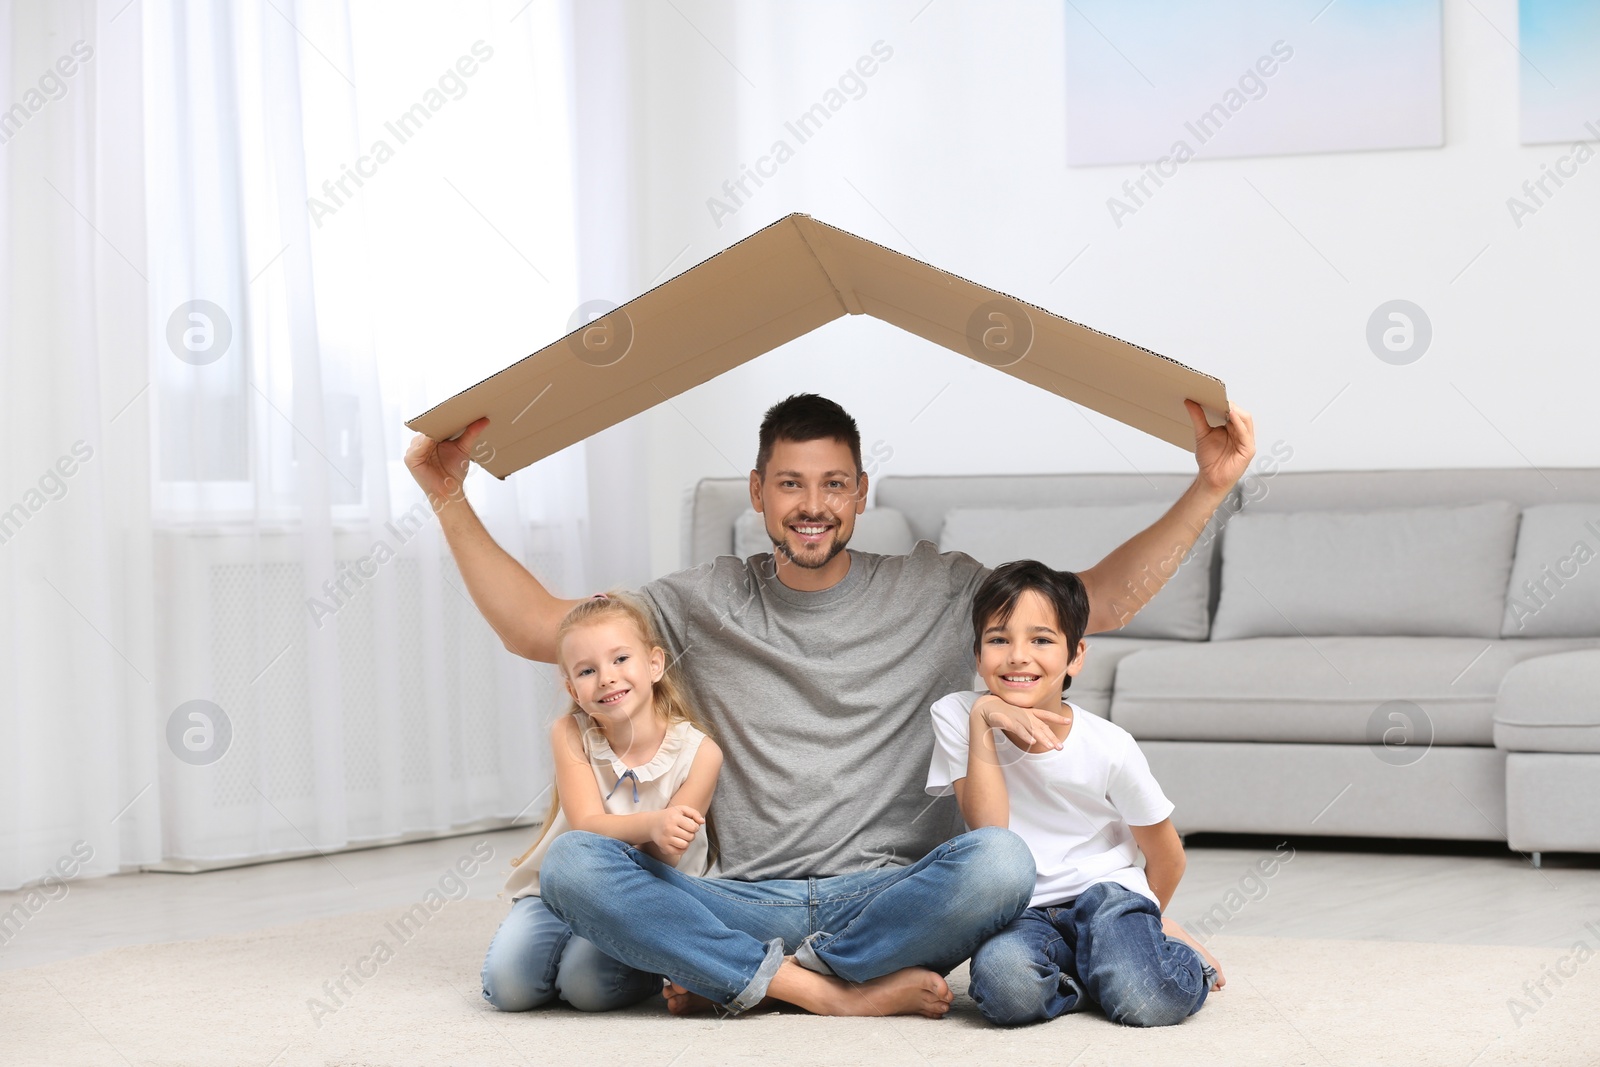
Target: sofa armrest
column 710, row 507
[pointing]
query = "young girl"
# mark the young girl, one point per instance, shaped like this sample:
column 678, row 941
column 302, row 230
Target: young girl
column 1078, row 790
column 631, row 762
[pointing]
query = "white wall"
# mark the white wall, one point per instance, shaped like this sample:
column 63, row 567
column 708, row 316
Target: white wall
column 955, row 155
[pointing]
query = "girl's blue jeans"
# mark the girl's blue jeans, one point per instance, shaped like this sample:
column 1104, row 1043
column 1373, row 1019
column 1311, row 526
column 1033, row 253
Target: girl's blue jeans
column 536, row 958
column 725, row 939
column 1103, row 947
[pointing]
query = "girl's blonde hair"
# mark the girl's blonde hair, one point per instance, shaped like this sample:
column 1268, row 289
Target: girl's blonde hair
column 666, row 693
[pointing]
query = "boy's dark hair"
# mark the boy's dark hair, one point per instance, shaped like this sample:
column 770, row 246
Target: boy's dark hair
column 997, row 598
column 806, row 417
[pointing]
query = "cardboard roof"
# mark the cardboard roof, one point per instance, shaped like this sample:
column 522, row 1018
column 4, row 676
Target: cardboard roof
column 778, row 284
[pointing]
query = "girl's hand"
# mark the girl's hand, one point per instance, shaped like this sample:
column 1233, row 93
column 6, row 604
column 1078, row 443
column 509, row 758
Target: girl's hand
column 1031, row 724
column 674, row 828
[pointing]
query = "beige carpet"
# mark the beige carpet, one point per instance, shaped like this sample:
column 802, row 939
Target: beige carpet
column 247, row 999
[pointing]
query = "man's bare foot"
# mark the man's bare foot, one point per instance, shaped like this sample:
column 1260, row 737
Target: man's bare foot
column 910, row 991
column 1172, row 928
column 682, row 1002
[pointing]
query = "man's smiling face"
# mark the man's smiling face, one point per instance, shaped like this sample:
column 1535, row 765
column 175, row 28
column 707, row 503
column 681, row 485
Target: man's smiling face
column 809, row 496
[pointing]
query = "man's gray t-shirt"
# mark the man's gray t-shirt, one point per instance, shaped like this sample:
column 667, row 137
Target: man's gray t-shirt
column 820, row 703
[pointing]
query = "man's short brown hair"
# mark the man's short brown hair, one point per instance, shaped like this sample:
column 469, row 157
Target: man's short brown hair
column 806, row 417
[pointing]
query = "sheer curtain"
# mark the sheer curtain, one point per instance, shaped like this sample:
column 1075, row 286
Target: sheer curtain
column 77, row 651
column 242, row 244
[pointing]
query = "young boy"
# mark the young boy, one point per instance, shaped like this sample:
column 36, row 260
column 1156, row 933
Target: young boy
column 1078, row 790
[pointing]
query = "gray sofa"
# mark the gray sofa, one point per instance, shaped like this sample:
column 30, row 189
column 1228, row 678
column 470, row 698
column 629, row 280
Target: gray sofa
column 1408, row 654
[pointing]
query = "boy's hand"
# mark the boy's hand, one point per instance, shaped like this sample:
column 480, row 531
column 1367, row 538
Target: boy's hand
column 1032, row 724
column 674, row 828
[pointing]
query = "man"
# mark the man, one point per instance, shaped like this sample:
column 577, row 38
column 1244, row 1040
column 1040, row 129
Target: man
column 814, row 667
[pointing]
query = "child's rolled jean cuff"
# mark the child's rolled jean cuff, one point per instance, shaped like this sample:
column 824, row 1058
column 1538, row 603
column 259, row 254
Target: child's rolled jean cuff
column 753, row 993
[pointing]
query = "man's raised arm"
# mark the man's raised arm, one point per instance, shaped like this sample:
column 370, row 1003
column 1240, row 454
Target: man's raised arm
column 522, row 611
column 1125, row 580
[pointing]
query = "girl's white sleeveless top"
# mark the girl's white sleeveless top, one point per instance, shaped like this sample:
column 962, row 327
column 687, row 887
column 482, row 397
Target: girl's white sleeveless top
column 626, row 791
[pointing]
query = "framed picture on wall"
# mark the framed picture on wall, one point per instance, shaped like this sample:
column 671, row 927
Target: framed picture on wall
column 1559, row 43
column 1185, row 79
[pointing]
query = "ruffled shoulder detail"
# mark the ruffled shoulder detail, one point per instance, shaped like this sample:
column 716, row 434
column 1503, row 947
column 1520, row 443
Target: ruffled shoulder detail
column 681, row 740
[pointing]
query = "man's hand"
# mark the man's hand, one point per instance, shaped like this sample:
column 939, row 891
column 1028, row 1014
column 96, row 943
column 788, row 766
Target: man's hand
column 1223, row 452
column 1030, row 724
column 440, row 467
column 673, row 829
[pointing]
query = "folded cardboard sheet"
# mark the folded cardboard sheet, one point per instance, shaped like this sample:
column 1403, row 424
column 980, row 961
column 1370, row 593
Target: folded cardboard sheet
column 775, row 285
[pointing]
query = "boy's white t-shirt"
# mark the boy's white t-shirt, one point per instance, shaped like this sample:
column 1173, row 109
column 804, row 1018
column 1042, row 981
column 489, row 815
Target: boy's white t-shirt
column 1073, row 807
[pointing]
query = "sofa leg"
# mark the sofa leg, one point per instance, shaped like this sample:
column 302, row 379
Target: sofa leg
column 1538, row 861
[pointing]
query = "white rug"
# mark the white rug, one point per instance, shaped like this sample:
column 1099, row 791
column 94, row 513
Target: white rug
column 251, row 999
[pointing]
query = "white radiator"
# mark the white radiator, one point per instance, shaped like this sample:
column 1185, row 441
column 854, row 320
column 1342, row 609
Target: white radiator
column 423, row 725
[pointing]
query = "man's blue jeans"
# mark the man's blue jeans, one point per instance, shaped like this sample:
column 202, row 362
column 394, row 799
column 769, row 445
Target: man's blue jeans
column 725, row 939
column 1105, row 947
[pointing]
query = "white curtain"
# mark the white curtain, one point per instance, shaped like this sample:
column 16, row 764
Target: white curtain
column 242, row 243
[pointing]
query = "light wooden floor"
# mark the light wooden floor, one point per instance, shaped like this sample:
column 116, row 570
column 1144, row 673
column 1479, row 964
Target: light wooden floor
column 1365, row 891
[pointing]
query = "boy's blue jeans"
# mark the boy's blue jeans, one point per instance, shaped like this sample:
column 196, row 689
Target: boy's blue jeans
column 1105, row 947
column 725, row 939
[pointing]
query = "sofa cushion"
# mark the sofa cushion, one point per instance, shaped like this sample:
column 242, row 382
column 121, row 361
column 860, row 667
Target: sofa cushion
column 1092, row 688
column 1555, row 578
column 1075, row 538
column 1416, row 572
column 1550, row 704
column 880, row 530
column 1327, row 690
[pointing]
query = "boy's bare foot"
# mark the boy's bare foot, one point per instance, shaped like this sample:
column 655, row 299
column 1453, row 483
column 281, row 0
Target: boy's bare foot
column 1171, row 928
column 910, row 991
